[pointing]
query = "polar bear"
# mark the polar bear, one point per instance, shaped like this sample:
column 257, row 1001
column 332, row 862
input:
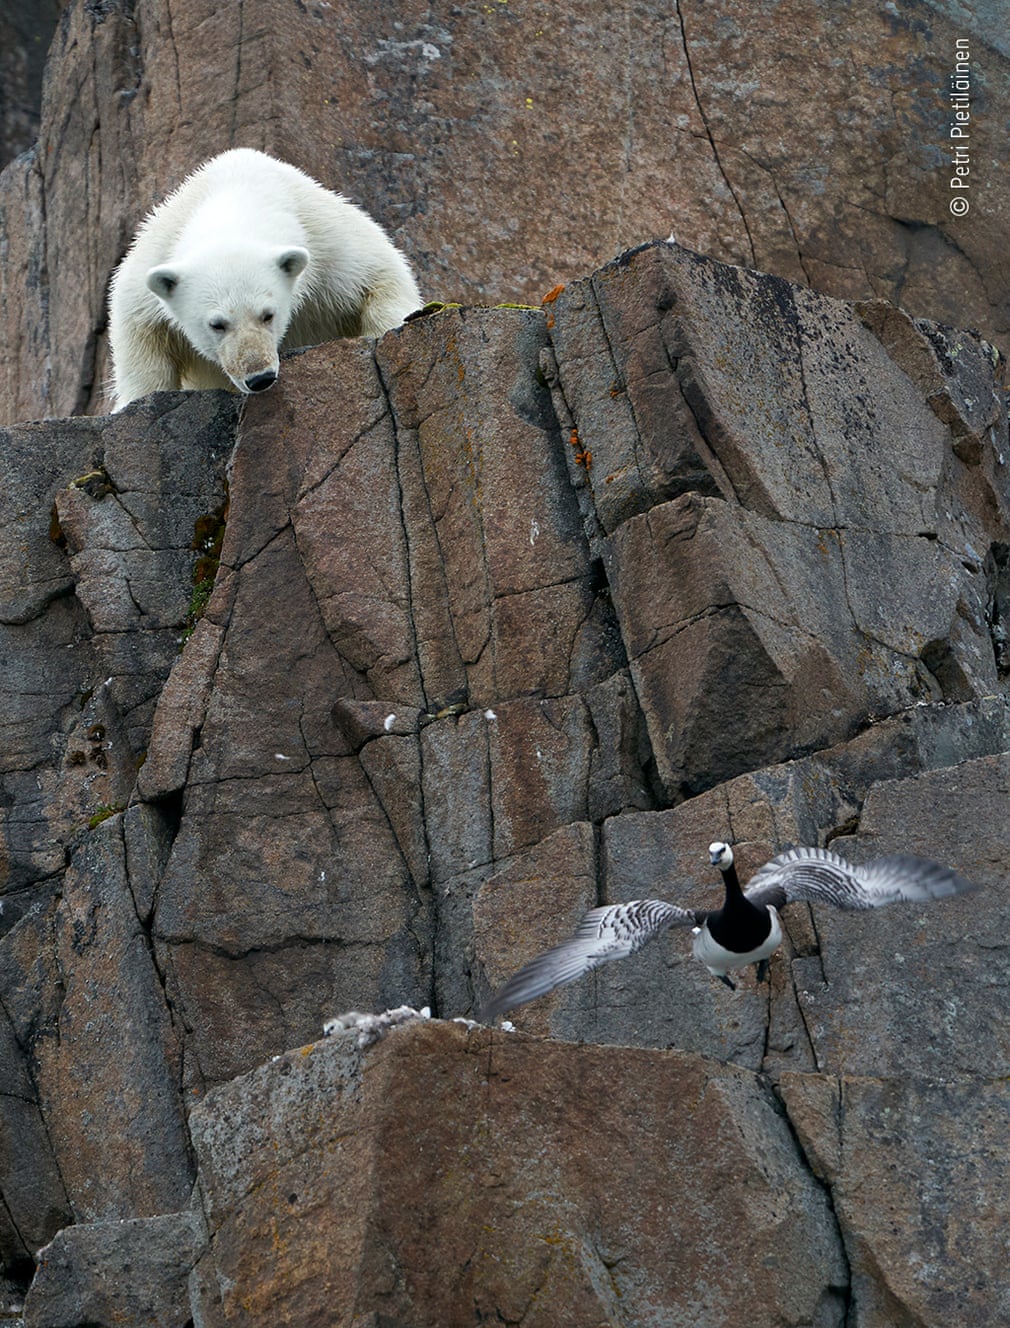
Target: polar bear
column 248, row 257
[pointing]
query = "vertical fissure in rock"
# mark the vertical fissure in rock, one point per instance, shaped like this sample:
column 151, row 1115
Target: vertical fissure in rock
column 428, row 703
column 428, row 942
column 998, row 606
column 565, row 425
column 18, row 1269
column 844, row 1293
column 794, row 324
column 597, row 540
column 708, row 130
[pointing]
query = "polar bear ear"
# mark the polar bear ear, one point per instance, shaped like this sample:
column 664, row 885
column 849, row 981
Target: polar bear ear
column 293, row 261
column 163, row 281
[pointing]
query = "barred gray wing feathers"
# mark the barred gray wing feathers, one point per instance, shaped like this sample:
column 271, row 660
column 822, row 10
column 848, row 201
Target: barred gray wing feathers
column 612, row 932
column 820, row 876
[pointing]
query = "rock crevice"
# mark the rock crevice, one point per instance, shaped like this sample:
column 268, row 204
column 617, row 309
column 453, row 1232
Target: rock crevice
column 458, row 680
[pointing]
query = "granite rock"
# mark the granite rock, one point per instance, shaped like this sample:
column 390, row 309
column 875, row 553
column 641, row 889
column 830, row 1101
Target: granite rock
column 127, row 1272
column 511, row 149
column 901, row 1155
column 437, row 688
column 523, row 1174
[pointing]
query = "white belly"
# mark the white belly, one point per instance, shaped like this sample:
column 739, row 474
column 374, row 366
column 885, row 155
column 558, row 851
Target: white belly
column 720, row 961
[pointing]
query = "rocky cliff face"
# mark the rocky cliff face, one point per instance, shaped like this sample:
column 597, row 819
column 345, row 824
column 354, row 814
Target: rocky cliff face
column 25, row 35
column 362, row 693
column 509, row 613
column 510, row 147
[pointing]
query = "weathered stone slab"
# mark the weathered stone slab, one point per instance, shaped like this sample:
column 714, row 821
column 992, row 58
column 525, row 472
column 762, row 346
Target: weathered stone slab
column 685, row 374
column 107, row 1066
column 918, row 1175
column 753, row 640
column 517, row 578
column 915, row 993
column 91, row 616
column 525, row 1176
column 133, row 1274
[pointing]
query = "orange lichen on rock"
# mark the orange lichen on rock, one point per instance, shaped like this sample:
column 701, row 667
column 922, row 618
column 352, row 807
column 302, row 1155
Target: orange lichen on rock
column 583, row 456
column 549, row 298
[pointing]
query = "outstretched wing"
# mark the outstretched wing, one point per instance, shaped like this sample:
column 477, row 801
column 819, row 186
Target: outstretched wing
column 603, row 934
column 818, row 875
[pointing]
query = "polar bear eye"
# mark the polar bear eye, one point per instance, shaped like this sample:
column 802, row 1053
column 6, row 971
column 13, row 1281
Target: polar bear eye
column 219, row 325
column 267, row 316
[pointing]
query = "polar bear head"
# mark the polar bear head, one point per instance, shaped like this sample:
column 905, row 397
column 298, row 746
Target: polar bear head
column 233, row 305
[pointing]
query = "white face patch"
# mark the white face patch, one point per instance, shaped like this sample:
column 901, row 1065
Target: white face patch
column 721, row 854
column 234, row 306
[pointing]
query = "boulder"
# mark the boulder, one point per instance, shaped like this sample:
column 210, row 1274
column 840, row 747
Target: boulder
column 515, row 1192
column 129, row 1272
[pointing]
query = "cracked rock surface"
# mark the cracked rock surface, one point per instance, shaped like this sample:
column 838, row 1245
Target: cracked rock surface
column 512, row 612
column 510, row 147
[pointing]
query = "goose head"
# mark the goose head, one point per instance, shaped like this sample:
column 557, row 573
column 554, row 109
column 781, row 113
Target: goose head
column 721, row 855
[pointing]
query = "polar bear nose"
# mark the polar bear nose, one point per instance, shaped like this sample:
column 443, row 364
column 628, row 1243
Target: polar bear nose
column 259, row 382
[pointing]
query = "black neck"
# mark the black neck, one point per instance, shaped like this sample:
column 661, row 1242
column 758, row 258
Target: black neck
column 739, row 925
column 732, row 882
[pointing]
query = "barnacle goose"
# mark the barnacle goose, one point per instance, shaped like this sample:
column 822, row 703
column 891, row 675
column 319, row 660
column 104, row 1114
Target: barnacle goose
column 745, row 930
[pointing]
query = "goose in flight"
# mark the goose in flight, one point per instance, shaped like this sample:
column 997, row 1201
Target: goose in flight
column 745, row 930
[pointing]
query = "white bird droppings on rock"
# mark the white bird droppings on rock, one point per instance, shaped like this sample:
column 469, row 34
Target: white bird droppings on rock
column 373, row 1027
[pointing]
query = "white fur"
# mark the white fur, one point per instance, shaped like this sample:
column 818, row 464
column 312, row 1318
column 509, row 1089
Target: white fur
column 255, row 244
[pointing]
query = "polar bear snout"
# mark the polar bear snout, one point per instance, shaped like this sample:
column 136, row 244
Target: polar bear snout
column 248, row 354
